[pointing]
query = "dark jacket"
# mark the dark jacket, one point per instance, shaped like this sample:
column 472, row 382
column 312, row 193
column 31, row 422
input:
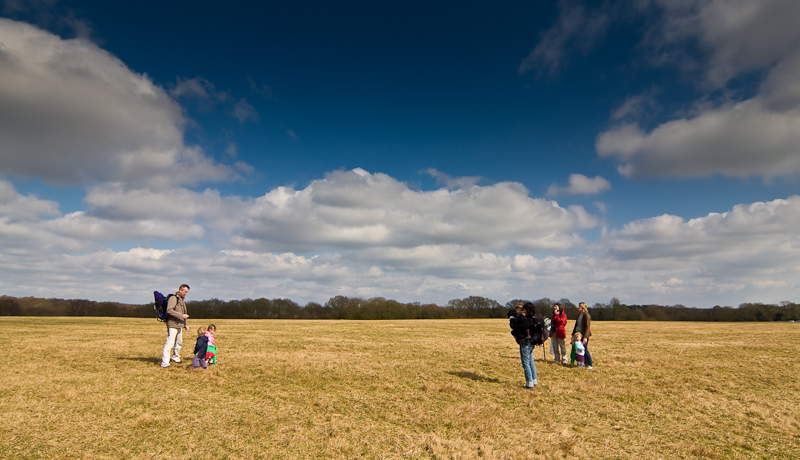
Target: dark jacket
column 521, row 326
column 583, row 325
column 201, row 346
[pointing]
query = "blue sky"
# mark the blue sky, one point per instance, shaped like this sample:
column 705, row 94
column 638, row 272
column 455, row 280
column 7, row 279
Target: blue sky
column 647, row 150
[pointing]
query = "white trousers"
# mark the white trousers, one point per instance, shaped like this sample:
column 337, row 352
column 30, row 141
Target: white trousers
column 174, row 342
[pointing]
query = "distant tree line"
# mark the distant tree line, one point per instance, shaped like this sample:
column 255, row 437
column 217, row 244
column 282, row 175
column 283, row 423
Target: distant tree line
column 617, row 311
column 341, row 307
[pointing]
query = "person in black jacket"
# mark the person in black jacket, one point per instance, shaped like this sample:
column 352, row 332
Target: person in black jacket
column 521, row 322
column 200, row 348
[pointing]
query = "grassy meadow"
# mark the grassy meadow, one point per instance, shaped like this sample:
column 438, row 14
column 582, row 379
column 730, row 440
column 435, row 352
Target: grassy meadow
column 91, row 388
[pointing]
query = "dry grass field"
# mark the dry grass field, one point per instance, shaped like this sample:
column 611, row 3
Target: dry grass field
column 91, row 388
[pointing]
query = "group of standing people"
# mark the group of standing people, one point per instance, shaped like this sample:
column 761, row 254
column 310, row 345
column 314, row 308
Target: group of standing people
column 176, row 316
column 523, row 329
column 579, row 339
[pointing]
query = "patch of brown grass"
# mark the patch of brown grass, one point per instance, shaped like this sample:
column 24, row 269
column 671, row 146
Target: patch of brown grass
column 439, row 389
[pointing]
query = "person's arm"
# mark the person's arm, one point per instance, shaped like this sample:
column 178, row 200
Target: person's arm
column 185, row 317
column 588, row 331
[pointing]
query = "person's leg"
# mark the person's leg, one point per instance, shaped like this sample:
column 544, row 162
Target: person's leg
column 563, row 346
column 525, row 351
column 176, row 351
column 588, row 359
column 170, row 343
column 554, row 349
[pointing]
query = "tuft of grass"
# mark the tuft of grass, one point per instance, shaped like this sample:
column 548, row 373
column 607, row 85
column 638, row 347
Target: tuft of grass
column 79, row 388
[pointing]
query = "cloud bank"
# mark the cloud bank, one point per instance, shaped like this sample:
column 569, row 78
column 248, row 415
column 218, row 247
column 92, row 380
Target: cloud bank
column 752, row 137
column 72, row 113
column 361, row 234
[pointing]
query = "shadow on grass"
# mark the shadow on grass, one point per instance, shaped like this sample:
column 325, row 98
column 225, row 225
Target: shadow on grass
column 474, row 376
column 539, row 361
column 142, row 359
column 536, row 356
column 549, row 363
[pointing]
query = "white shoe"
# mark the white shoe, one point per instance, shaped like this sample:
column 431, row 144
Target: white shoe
column 176, row 360
column 165, row 365
column 589, row 367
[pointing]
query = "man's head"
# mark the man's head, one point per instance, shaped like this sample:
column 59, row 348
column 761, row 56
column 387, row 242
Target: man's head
column 183, row 290
column 530, row 308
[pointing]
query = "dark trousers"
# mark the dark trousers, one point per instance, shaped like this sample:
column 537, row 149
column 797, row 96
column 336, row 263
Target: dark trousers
column 588, row 359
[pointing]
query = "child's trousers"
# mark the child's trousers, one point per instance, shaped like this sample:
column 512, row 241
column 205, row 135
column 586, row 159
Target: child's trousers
column 197, row 362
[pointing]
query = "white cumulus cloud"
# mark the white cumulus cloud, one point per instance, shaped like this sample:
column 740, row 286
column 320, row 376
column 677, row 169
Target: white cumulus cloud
column 13, row 204
column 350, row 233
column 72, row 112
column 753, row 137
column 752, row 244
column 580, row 185
column 356, row 209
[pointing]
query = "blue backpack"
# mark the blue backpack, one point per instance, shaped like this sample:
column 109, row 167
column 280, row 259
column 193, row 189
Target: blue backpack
column 160, row 305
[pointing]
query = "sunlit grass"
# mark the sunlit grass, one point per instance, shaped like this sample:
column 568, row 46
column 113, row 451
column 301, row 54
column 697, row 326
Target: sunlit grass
column 443, row 389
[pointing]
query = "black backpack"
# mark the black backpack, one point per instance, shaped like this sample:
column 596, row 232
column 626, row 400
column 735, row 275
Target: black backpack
column 539, row 332
column 533, row 328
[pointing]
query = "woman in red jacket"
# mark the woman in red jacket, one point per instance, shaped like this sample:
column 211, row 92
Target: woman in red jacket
column 558, row 325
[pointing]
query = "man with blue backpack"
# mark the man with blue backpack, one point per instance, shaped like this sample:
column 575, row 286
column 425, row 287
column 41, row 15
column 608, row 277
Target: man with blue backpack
column 175, row 317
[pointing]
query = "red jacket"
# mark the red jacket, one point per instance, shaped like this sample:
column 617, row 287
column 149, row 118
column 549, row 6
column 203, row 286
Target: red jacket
column 558, row 325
